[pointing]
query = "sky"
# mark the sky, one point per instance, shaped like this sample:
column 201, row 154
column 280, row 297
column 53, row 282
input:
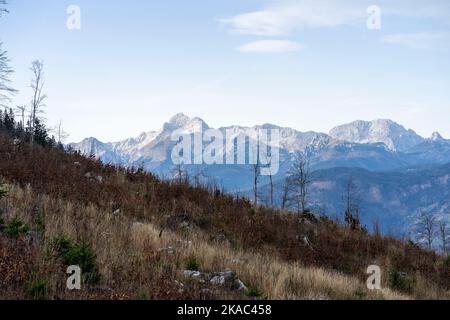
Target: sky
column 305, row 64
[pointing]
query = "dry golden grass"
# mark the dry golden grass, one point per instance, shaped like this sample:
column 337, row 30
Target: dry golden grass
column 275, row 278
column 131, row 261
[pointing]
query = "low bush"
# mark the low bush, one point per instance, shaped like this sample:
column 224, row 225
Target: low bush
column 77, row 254
column 400, row 281
column 38, row 289
column 15, row 228
column 192, row 264
column 253, row 291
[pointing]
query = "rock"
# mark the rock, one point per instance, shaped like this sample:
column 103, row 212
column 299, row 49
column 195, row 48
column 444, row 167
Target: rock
column 179, row 283
column 88, row 175
column 218, row 280
column 227, row 279
column 210, row 292
column 33, row 238
column 196, row 275
column 168, row 250
column 116, row 213
column 240, row 286
column 77, row 164
column 99, row 179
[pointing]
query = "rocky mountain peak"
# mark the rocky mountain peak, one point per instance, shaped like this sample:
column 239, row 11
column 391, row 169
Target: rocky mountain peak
column 392, row 134
column 436, row 136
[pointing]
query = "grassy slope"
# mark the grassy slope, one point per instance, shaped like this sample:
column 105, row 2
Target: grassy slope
column 59, row 194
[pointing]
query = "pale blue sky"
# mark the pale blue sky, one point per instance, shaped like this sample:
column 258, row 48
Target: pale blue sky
column 304, row 64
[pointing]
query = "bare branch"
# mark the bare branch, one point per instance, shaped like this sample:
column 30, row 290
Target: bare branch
column 425, row 228
column 37, row 101
column 5, row 72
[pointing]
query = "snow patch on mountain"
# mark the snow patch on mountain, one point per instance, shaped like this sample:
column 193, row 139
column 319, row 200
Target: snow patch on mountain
column 393, row 135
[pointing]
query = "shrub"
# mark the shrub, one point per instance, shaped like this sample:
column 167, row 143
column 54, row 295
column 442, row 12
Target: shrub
column 38, row 289
column 253, row 292
column 77, row 254
column 15, row 228
column 400, row 281
column 192, row 264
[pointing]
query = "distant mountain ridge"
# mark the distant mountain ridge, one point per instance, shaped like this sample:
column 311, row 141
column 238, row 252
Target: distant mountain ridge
column 394, row 166
column 375, row 145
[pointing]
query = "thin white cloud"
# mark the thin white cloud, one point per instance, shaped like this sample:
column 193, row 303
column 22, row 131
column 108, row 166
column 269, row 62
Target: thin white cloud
column 284, row 17
column 421, row 40
column 270, row 46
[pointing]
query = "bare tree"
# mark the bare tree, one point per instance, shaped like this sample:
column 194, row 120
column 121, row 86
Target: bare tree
column 443, row 232
column 5, row 71
column 256, row 174
column 352, row 202
column 288, row 193
column 299, row 180
column 180, row 175
column 199, row 177
column 271, row 186
column 285, row 194
column 37, row 101
column 425, row 228
column 61, row 134
column 271, row 190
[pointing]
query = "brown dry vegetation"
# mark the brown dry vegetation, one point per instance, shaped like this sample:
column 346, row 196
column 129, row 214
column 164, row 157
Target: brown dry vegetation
column 51, row 192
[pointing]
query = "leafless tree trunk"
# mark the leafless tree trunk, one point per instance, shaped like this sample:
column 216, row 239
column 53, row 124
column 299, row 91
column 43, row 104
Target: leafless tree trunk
column 180, row 175
column 285, row 194
column 5, row 71
column 271, row 189
column 444, row 236
column 37, row 102
column 425, row 228
column 199, row 177
column 299, row 178
column 256, row 173
column 61, row 135
column 352, row 203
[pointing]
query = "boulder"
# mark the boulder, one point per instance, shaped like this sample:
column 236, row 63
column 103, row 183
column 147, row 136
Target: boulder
column 226, row 279
column 168, row 250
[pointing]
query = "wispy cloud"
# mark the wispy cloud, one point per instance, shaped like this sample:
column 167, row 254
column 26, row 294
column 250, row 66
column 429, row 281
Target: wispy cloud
column 270, row 46
column 284, row 17
column 287, row 16
column 421, row 40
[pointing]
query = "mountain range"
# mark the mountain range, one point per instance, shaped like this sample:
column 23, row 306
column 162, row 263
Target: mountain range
column 398, row 171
